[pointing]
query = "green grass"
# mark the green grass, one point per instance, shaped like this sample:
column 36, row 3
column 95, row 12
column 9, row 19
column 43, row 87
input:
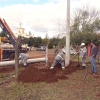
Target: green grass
column 73, row 88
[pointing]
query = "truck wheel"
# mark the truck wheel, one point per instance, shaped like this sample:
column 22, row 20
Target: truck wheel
column 12, row 56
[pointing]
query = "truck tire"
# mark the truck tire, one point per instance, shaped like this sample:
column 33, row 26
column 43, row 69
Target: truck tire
column 12, row 56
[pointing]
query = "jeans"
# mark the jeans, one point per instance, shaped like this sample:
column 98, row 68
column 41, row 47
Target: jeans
column 93, row 63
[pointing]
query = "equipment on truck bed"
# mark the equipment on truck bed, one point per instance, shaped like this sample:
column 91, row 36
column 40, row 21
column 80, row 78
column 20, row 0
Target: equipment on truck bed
column 7, row 46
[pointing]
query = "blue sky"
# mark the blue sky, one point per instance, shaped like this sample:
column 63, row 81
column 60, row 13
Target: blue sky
column 13, row 2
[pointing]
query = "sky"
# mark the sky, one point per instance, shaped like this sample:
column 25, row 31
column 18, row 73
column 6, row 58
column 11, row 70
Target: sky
column 40, row 17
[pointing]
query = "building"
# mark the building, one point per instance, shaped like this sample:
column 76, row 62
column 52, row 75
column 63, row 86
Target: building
column 21, row 32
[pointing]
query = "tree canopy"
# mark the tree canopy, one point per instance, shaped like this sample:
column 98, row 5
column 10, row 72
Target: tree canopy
column 85, row 26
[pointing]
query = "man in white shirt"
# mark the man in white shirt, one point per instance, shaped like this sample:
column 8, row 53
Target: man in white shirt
column 83, row 53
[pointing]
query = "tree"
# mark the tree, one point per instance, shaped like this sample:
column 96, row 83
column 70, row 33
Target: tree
column 25, row 40
column 85, row 26
column 50, row 45
column 2, row 34
column 63, row 41
column 30, row 41
column 45, row 41
column 37, row 41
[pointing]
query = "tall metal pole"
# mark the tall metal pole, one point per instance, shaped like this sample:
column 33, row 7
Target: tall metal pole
column 67, row 56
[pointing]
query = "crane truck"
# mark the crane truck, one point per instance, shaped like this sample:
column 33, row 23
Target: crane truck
column 7, row 44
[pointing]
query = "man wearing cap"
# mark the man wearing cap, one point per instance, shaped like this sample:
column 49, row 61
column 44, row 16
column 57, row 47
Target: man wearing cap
column 83, row 53
column 59, row 59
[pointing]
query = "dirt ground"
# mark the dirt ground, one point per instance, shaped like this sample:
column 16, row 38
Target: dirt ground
column 39, row 72
column 42, row 74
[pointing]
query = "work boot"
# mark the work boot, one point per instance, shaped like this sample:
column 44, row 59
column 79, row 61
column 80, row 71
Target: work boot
column 95, row 75
column 63, row 68
column 82, row 67
column 25, row 66
column 51, row 67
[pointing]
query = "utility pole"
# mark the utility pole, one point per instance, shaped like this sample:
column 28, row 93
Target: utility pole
column 18, row 42
column 16, row 60
column 67, row 56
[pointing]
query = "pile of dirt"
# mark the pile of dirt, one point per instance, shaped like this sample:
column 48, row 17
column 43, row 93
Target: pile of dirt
column 33, row 74
column 38, row 72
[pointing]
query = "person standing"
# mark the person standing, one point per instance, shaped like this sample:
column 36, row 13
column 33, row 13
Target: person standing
column 59, row 59
column 93, row 55
column 83, row 54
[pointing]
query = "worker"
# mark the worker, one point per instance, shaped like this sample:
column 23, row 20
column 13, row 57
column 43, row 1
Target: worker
column 83, row 53
column 59, row 59
column 24, row 57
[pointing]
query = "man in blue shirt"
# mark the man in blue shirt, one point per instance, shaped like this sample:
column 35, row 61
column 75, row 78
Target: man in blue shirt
column 93, row 55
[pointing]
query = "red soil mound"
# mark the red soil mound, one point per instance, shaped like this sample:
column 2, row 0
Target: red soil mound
column 33, row 74
column 37, row 72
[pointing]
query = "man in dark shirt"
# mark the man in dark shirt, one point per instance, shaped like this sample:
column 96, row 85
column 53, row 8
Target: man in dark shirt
column 93, row 55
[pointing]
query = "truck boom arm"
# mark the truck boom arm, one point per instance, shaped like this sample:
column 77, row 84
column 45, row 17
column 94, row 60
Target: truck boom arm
column 4, row 26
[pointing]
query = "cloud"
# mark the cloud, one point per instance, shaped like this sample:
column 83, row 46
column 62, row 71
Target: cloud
column 39, row 18
column 47, row 18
